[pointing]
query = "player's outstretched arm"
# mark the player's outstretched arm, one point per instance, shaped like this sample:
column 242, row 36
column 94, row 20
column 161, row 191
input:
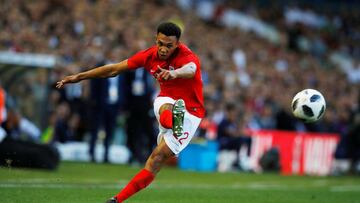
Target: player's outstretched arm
column 105, row 71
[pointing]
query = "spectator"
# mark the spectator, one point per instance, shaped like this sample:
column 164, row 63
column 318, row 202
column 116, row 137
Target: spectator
column 106, row 96
column 230, row 137
column 138, row 90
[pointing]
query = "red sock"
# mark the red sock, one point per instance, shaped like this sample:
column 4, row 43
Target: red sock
column 139, row 181
column 166, row 119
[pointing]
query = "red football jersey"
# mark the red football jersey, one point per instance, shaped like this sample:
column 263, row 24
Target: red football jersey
column 188, row 89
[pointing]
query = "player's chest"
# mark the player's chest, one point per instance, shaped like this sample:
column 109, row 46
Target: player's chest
column 167, row 65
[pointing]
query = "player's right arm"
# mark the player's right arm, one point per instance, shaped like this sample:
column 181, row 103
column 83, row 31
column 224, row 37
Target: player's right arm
column 105, row 71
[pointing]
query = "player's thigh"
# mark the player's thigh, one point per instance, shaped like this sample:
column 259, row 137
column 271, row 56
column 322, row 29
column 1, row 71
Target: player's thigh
column 163, row 150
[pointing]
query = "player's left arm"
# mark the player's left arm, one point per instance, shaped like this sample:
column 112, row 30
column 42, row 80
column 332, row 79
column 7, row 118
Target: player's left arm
column 186, row 71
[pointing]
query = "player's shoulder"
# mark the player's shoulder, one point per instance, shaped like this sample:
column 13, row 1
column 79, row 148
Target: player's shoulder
column 185, row 50
column 142, row 57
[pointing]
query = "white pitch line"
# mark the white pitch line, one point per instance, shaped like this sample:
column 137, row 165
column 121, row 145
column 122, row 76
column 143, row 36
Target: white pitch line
column 92, row 183
column 98, row 184
column 345, row 188
column 254, row 186
column 55, row 185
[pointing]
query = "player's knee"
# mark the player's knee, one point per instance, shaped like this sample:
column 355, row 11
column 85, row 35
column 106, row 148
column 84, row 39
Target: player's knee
column 159, row 157
column 164, row 107
column 155, row 162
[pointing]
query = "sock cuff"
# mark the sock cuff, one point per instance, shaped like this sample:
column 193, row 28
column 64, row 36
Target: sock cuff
column 147, row 172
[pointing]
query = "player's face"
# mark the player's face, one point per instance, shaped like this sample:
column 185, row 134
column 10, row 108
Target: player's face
column 166, row 45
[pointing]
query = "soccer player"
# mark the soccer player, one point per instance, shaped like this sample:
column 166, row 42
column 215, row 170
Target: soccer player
column 179, row 106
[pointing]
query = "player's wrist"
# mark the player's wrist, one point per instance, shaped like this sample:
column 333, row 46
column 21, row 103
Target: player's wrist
column 174, row 74
column 79, row 76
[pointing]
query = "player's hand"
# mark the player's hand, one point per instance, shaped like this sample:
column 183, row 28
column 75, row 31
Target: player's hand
column 165, row 74
column 67, row 79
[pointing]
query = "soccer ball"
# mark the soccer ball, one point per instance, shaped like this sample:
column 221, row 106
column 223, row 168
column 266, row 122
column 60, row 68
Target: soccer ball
column 308, row 105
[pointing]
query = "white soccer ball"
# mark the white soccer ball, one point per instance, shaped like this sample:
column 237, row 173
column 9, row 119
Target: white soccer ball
column 308, row 105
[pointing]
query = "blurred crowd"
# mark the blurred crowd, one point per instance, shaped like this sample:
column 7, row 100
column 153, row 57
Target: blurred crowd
column 256, row 77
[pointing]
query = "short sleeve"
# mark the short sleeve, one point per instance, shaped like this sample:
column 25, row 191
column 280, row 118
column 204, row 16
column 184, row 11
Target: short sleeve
column 137, row 60
column 189, row 58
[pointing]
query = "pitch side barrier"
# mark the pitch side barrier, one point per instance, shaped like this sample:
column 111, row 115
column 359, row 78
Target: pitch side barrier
column 300, row 153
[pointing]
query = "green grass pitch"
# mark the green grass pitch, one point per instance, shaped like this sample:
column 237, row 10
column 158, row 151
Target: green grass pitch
column 94, row 183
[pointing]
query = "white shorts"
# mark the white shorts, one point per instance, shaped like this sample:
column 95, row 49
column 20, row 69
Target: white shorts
column 191, row 123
